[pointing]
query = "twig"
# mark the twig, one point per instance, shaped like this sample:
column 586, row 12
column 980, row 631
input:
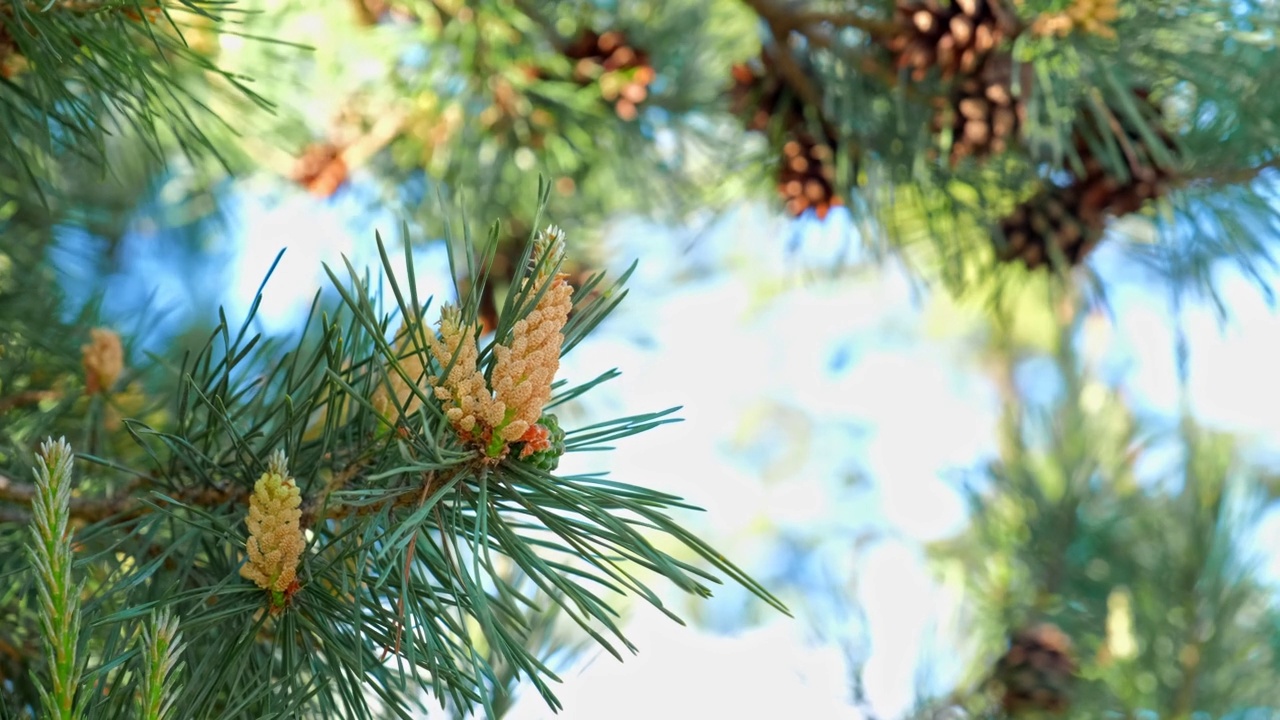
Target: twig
column 353, row 156
column 320, row 500
column 1234, row 176
column 382, row 133
column 27, row 397
column 795, row 76
column 128, row 503
column 364, row 14
column 1118, row 131
column 783, row 21
column 781, row 24
column 427, row 483
column 15, row 491
column 86, row 510
column 877, row 29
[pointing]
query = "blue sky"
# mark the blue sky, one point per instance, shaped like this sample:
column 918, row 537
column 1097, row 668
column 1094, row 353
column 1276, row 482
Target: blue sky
column 814, row 384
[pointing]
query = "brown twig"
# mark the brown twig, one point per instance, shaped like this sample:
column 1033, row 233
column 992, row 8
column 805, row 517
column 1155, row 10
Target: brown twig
column 386, row 129
column 312, row 507
column 1118, row 131
column 795, row 76
column 364, row 14
column 26, row 397
column 783, row 21
column 86, row 510
column 1232, row 176
column 878, row 29
column 127, row 503
column 428, row 482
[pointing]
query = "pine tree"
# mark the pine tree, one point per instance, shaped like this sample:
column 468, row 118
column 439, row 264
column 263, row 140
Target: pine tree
column 349, row 521
column 1094, row 587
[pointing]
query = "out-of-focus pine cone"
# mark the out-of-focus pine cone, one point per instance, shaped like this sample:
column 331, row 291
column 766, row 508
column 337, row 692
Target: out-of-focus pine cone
column 1073, row 218
column 1037, row 671
column 320, row 169
column 623, row 72
column 954, row 37
column 985, row 112
column 806, row 176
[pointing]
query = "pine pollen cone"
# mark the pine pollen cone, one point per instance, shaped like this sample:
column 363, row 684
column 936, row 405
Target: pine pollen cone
column 275, row 535
column 466, row 398
column 411, row 364
column 523, row 372
column 103, row 360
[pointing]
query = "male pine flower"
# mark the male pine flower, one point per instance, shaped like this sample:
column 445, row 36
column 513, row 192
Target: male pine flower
column 1094, row 17
column 412, row 366
column 470, row 407
column 275, row 536
column 524, row 370
column 103, row 360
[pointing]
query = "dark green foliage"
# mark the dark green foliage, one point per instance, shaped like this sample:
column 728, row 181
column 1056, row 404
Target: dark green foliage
column 88, row 70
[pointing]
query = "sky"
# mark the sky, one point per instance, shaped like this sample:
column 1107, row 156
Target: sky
column 820, row 416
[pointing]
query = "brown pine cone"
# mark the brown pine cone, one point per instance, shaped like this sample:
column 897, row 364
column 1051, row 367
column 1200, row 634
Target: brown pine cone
column 806, row 176
column 320, row 169
column 955, row 37
column 983, row 112
column 1051, row 218
column 623, row 72
column 1037, row 671
column 1073, row 218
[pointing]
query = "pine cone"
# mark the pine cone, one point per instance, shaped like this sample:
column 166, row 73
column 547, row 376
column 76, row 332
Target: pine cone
column 956, row 37
column 623, row 72
column 985, row 112
column 1055, row 216
column 806, row 176
column 1094, row 17
column 320, row 169
column 1073, row 217
column 1037, row 671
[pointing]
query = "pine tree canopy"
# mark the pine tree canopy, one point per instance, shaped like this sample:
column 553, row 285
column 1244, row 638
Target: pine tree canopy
column 368, row 517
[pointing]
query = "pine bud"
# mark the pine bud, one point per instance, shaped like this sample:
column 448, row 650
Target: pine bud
column 548, row 244
column 544, row 450
column 103, row 360
column 275, row 538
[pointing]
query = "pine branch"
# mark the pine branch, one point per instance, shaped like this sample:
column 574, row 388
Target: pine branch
column 782, row 22
column 1230, row 176
column 161, row 649
column 133, row 501
column 548, row 28
column 802, row 20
